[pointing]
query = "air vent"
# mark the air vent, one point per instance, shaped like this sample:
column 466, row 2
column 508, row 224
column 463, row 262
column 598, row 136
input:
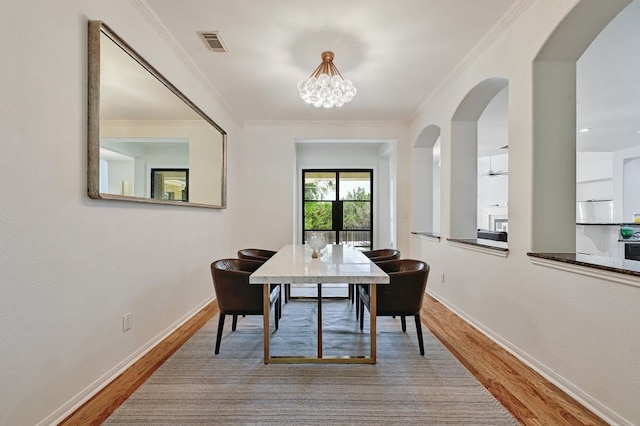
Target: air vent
column 213, row 41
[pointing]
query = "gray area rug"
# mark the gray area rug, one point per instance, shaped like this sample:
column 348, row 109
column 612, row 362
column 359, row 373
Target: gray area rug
column 235, row 387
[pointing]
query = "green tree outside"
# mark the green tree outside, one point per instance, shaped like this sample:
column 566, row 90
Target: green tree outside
column 317, row 213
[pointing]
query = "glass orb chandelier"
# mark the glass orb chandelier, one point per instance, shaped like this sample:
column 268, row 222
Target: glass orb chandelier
column 325, row 87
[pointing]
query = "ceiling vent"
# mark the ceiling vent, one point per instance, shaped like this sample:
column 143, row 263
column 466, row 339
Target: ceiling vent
column 213, row 41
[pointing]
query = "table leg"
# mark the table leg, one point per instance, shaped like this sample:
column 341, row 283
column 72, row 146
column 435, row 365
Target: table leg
column 319, row 320
column 372, row 311
column 265, row 316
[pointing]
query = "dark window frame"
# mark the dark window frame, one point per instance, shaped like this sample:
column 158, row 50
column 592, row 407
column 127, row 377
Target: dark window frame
column 337, row 225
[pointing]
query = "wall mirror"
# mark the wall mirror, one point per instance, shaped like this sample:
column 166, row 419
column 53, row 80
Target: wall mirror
column 147, row 141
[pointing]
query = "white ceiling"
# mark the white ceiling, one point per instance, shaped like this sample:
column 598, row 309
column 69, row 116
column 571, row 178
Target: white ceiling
column 396, row 52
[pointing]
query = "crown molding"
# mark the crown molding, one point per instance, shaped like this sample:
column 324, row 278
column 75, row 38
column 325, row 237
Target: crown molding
column 505, row 21
column 320, row 123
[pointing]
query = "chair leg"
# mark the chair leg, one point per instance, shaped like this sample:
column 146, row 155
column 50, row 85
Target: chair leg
column 219, row 336
column 234, row 323
column 361, row 309
column 419, row 330
column 287, row 293
column 403, row 321
column 277, row 312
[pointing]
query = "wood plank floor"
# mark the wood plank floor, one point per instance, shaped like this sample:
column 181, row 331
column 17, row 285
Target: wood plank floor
column 532, row 399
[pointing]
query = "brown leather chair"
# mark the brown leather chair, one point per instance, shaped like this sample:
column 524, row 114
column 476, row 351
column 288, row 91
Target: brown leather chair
column 402, row 296
column 263, row 255
column 255, row 254
column 236, row 296
column 378, row 255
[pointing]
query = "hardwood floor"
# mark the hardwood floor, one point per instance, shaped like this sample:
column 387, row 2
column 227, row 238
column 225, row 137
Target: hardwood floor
column 532, row 399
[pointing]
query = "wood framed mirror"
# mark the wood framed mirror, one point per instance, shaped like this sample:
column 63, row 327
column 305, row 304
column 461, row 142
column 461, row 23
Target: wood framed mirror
column 139, row 123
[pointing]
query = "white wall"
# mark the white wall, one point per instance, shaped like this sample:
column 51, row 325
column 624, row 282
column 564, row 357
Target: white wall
column 631, row 188
column 269, row 206
column 423, row 189
column 493, row 191
column 436, row 187
column 70, row 266
column 348, row 155
column 578, row 330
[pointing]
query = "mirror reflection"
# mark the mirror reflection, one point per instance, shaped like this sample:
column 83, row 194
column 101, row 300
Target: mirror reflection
column 147, row 141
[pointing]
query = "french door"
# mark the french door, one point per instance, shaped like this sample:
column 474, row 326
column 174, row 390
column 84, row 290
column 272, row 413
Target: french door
column 339, row 202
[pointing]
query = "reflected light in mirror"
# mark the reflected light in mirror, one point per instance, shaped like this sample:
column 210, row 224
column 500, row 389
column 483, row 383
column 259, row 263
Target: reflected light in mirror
column 139, row 122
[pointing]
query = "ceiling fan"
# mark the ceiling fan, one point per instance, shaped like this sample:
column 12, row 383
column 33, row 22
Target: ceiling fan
column 492, row 172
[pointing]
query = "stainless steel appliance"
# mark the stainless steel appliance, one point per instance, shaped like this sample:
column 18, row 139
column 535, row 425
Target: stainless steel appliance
column 632, row 251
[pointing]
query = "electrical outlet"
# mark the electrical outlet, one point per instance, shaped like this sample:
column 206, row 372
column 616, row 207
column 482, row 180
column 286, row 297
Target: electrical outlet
column 126, row 322
column 442, row 277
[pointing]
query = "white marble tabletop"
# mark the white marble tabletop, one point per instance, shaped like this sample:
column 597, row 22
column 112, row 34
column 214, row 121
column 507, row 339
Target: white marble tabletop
column 336, row 264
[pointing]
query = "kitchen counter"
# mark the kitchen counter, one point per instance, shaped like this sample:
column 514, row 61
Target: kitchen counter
column 620, row 266
column 609, row 224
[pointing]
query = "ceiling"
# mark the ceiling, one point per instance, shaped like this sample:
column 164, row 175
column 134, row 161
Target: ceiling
column 397, row 53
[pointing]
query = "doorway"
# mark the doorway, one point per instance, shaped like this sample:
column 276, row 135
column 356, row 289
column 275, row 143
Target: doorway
column 339, row 202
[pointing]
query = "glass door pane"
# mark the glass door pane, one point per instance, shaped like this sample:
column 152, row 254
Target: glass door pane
column 355, row 185
column 355, row 196
column 319, row 198
column 339, row 201
column 320, row 186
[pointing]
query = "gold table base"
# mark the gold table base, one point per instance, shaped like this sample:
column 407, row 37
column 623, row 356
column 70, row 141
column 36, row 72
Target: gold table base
column 320, row 359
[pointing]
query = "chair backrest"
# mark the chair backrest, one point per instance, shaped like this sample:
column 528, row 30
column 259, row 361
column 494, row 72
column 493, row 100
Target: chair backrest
column 231, row 284
column 255, row 254
column 382, row 255
column 405, row 291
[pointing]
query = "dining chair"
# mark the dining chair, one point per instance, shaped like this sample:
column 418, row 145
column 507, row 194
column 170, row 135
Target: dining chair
column 378, row 255
column 236, row 296
column 402, row 296
column 255, row 254
column 263, row 255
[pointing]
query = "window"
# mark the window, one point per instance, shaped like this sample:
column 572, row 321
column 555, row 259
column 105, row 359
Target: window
column 170, row 184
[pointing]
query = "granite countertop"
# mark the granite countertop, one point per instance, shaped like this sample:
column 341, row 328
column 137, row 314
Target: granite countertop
column 493, row 245
column 632, row 224
column 634, row 239
column 611, row 264
column 427, row 234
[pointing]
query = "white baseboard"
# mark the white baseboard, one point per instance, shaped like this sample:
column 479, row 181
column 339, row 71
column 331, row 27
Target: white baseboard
column 86, row 394
column 572, row 390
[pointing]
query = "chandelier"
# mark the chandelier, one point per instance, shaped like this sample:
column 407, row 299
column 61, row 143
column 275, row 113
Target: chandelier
column 325, row 87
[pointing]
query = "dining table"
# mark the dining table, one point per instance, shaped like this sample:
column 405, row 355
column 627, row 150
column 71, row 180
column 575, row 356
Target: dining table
column 337, row 263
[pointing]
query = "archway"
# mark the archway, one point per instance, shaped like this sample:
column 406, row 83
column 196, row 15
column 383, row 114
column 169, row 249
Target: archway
column 554, row 124
column 426, row 181
column 464, row 156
